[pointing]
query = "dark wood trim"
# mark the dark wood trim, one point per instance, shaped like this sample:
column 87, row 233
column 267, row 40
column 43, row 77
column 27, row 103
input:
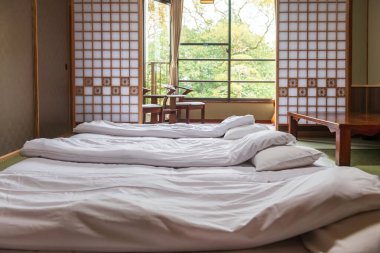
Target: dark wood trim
column 277, row 6
column 349, row 15
column 348, row 54
column 263, row 121
column 365, row 86
column 141, row 60
column 36, row 95
column 309, row 131
column 343, row 146
column 72, row 65
column 367, row 62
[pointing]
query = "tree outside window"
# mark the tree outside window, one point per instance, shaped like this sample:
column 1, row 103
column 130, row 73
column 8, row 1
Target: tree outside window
column 227, row 48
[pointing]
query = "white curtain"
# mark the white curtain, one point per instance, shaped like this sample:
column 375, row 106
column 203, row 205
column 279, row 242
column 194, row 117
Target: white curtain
column 176, row 11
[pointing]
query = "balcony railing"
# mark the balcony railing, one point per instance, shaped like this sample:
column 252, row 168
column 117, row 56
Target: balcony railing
column 157, row 76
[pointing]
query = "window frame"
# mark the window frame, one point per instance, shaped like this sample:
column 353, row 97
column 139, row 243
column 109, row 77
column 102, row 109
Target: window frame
column 229, row 61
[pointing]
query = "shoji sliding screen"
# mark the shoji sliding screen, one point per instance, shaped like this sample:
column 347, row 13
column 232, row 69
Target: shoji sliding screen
column 313, row 74
column 107, row 60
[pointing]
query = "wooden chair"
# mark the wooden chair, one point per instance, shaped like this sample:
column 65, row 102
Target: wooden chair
column 189, row 105
column 154, row 108
column 171, row 108
column 165, row 109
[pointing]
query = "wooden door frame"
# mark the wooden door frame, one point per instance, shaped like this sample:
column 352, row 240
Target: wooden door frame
column 36, row 87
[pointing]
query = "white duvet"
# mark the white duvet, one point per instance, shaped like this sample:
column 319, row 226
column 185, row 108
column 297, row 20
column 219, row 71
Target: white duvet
column 184, row 152
column 54, row 205
column 179, row 130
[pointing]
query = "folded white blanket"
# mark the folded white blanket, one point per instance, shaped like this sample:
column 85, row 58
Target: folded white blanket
column 53, row 205
column 179, row 130
column 157, row 151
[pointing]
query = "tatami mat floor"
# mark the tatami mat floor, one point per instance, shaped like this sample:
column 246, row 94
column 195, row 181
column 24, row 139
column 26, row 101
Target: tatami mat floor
column 365, row 154
column 8, row 162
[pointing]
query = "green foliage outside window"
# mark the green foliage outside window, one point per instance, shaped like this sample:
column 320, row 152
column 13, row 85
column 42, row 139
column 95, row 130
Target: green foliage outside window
column 252, row 38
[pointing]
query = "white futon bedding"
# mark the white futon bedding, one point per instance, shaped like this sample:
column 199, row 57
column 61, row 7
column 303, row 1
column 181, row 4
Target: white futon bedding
column 55, row 205
column 179, row 130
column 183, row 152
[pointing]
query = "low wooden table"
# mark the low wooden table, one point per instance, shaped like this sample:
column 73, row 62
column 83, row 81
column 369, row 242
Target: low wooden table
column 343, row 124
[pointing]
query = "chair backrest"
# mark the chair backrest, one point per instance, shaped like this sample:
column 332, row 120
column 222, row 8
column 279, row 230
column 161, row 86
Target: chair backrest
column 184, row 92
column 145, row 91
column 170, row 90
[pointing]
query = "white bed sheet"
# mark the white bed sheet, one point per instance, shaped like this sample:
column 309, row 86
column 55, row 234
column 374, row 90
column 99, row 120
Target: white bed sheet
column 179, row 130
column 323, row 161
column 56, row 205
column 184, row 152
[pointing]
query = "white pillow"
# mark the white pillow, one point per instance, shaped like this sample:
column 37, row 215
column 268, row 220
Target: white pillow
column 240, row 132
column 285, row 157
column 356, row 234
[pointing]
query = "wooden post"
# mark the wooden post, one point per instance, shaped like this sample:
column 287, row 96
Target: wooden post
column 343, row 146
column 292, row 125
column 153, row 81
column 36, row 92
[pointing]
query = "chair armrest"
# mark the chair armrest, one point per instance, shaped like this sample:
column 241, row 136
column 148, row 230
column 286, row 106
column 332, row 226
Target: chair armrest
column 171, row 90
column 145, row 90
column 187, row 90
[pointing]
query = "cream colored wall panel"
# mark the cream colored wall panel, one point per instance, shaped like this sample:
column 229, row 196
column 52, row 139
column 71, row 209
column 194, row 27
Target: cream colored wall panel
column 16, row 74
column 53, row 60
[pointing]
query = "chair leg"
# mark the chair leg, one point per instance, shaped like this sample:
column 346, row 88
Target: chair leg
column 161, row 116
column 179, row 115
column 203, row 114
column 187, row 115
column 153, row 118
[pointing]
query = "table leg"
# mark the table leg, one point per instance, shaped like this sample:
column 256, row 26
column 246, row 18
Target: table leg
column 172, row 116
column 153, row 119
column 343, row 146
column 153, row 116
column 292, row 125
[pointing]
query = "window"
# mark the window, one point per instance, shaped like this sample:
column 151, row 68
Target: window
column 227, row 49
column 157, row 45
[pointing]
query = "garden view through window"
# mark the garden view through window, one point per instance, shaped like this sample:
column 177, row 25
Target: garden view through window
column 227, row 48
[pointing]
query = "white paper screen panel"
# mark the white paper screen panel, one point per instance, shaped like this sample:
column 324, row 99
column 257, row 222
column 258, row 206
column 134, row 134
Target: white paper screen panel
column 106, row 60
column 312, row 72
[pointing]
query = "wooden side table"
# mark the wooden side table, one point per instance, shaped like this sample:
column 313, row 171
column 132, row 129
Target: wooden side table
column 343, row 124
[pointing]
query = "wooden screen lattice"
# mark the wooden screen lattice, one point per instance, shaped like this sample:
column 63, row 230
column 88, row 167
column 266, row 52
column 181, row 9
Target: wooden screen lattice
column 106, row 60
column 312, row 56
